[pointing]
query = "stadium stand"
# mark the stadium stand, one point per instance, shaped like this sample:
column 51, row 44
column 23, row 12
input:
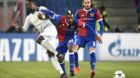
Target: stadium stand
column 122, row 14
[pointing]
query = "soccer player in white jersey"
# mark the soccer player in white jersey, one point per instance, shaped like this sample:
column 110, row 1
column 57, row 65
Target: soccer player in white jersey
column 48, row 34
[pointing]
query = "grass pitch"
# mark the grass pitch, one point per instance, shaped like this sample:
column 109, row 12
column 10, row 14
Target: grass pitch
column 46, row 70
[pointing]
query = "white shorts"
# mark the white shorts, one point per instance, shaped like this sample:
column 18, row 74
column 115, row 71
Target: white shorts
column 50, row 35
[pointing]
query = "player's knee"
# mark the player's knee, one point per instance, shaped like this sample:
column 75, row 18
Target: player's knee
column 50, row 54
column 39, row 40
column 92, row 49
column 70, row 50
column 76, row 48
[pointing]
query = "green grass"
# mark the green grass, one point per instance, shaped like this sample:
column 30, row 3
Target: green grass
column 46, row 70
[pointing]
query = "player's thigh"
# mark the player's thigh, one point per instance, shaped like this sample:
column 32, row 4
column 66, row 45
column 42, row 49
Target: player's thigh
column 62, row 48
column 91, row 46
column 80, row 41
column 54, row 42
column 70, row 45
column 50, row 31
column 51, row 39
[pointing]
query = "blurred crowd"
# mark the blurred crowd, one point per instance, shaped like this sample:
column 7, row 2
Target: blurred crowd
column 60, row 8
column 138, row 11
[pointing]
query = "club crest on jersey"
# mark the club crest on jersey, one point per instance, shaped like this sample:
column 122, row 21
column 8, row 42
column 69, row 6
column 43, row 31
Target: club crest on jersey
column 63, row 25
column 92, row 14
column 72, row 27
column 82, row 15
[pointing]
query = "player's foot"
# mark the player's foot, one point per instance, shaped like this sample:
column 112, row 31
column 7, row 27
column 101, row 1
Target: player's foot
column 76, row 69
column 60, row 57
column 72, row 74
column 63, row 76
column 66, row 76
column 92, row 73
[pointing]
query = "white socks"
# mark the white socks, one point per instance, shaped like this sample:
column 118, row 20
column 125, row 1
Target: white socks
column 56, row 64
column 54, row 59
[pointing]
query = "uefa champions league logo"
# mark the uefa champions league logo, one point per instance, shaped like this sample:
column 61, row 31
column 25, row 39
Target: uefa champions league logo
column 119, row 74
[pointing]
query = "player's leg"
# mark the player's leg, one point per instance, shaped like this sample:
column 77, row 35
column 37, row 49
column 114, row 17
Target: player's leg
column 92, row 50
column 55, row 62
column 62, row 49
column 49, row 36
column 54, row 43
column 80, row 42
column 77, row 67
column 50, row 48
column 72, row 59
column 71, row 56
column 41, row 40
column 71, row 45
column 45, row 43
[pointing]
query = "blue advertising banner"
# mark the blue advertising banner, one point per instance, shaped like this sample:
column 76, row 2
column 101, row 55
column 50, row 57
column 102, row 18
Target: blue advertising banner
column 21, row 47
column 115, row 47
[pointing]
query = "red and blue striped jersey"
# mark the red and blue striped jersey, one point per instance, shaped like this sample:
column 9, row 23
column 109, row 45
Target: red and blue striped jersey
column 89, row 17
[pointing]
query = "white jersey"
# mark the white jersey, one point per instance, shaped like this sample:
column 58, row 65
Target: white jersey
column 33, row 19
column 45, row 27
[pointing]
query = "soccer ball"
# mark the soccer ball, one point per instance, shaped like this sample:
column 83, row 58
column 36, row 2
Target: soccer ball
column 119, row 74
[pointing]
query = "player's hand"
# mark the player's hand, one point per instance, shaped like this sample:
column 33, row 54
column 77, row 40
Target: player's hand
column 16, row 26
column 99, row 39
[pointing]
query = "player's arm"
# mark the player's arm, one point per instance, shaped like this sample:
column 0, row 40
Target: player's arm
column 81, row 24
column 25, row 27
column 100, row 20
column 50, row 13
column 98, row 38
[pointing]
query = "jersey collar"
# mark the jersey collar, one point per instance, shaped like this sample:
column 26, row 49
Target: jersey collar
column 87, row 10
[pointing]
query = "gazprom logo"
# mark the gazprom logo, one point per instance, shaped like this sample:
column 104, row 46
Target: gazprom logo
column 116, row 50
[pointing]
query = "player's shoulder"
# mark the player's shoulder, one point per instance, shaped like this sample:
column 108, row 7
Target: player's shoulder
column 32, row 15
column 80, row 12
column 29, row 16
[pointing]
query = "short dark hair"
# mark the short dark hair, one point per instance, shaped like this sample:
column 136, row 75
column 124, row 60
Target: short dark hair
column 69, row 12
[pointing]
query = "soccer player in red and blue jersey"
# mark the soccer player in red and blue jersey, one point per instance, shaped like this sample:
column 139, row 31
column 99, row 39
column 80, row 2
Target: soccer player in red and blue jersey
column 67, row 26
column 89, row 15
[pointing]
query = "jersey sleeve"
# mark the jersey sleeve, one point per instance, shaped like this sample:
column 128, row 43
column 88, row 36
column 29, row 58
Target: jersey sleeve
column 46, row 11
column 98, row 16
column 78, row 23
column 81, row 24
column 56, row 17
column 51, row 14
column 100, row 20
column 27, row 23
